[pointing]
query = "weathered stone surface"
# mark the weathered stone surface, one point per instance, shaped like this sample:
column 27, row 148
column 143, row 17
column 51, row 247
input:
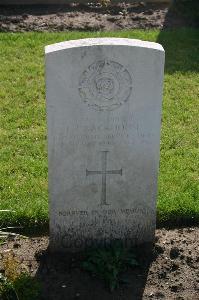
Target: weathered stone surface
column 104, row 110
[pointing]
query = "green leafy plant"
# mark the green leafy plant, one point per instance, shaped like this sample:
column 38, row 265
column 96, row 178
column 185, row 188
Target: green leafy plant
column 22, row 288
column 27, row 287
column 15, row 282
column 109, row 263
column 7, row 291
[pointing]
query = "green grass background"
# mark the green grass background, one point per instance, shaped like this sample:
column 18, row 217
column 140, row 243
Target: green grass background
column 23, row 161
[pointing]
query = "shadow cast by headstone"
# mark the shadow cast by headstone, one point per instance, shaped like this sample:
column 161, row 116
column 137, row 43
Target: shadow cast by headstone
column 182, row 13
column 179, row 37
column 63, row 278
column 27, row 226
column 178, row 221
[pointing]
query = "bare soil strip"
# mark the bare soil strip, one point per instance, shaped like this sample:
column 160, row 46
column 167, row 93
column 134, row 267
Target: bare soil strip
column 170, row 272
column 91, row 17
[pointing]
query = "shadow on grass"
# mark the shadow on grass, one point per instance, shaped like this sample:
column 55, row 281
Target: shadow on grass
column 182, row 45
column 28, row 227
column 177, row 221
column 181, row 50
column 182, row 13
column 62, row 277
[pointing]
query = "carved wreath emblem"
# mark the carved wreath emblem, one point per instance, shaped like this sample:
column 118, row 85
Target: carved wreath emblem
column 105, row 85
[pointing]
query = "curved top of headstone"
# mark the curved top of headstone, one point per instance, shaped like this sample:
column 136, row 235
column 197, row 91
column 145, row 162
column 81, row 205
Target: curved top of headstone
column 100, row 42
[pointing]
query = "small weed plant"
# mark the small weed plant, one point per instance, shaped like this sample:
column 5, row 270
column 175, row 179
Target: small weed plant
column 109, row 263
column 15, row 282
column 23, row 287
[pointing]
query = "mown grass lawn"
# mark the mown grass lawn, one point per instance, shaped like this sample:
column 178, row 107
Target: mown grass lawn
column 23, row 126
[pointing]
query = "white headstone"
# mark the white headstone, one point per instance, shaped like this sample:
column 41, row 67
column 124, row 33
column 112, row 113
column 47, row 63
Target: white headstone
column 104, row 111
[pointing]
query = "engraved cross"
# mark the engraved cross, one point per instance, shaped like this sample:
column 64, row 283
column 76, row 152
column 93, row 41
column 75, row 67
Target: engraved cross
column 104, row 172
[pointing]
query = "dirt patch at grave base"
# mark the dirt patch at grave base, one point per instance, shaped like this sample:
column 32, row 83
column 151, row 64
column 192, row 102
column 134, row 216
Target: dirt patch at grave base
column 170, row 272
column 92, row 17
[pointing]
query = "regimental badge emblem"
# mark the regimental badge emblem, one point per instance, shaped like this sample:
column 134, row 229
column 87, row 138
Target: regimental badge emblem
column 105, row 85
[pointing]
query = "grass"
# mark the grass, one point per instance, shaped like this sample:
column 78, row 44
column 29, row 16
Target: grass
column 23, row 126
